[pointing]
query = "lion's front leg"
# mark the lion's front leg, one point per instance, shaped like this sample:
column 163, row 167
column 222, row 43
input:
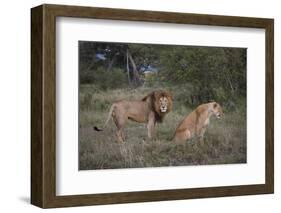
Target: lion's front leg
column 120, row 136
column 151, row 126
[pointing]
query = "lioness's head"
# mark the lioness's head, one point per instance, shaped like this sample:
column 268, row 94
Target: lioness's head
column 217, row 110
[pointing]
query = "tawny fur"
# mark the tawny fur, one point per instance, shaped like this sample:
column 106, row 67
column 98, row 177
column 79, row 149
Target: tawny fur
column 147, row 110
column 196, row 123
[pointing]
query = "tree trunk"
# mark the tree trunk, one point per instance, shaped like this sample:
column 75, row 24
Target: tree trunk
column 109, row 67
column 229, row 82
column 136, row 77
column 89, row 67
column 128, row 69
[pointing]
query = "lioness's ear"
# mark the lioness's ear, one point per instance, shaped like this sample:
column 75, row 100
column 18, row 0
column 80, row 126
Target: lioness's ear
column 215, row 105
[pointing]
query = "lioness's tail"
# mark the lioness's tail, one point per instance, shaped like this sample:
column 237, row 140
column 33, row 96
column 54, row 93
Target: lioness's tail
column 107, row 120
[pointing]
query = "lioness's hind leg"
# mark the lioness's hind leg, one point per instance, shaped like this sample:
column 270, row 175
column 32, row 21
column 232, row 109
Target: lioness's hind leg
column 182, row 136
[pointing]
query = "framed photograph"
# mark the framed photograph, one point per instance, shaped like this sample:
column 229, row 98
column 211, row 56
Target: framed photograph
column 136, row 106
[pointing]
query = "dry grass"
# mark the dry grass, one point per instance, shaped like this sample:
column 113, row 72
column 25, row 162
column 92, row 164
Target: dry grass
column 225, row 139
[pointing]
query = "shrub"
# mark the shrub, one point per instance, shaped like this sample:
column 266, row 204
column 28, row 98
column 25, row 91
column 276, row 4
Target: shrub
column 103, row 79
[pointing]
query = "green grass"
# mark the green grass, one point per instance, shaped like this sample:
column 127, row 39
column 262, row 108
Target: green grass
column 224, row 142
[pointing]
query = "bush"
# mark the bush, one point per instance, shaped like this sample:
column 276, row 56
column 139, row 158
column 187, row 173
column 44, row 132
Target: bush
column 114, row 79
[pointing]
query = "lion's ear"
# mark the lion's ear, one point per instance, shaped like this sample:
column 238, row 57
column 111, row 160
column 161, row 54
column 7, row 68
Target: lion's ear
column 168, row 94
column 171, row 96
column 215, row 105
column 155, row 95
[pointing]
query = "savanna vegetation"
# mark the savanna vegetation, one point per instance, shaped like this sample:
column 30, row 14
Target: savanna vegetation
column 194, row 75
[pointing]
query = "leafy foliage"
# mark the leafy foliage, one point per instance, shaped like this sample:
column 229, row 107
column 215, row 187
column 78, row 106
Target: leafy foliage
column 211, row 73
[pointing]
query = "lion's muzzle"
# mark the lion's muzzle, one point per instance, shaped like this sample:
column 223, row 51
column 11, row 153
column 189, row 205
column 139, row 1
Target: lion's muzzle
column 163, row 108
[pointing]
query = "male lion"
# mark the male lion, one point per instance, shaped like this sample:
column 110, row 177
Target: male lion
column 151, row 109
column 196, row 122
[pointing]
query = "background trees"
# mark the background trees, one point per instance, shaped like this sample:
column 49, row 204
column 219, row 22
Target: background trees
column 209, row 73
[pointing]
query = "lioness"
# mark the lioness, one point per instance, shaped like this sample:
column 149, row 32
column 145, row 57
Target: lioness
column 150, row 109
column 196, row 122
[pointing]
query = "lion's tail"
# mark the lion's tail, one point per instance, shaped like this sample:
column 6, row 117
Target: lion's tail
column 107, row 120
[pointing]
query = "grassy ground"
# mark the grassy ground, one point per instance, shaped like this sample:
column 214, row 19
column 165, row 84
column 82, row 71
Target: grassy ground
column 224, row 143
